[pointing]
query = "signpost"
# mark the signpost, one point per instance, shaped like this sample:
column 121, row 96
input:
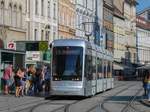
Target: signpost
column 11, row 45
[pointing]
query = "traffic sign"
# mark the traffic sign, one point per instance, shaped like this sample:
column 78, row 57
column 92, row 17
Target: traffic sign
column 11, row 45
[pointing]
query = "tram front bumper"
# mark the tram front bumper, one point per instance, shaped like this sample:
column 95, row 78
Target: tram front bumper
column 67, row 91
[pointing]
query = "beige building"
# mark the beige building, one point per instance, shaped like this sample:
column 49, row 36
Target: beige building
column 130, row 29
column 124, row 20
column 108, row 24
column 41, row 19
column 66, row 21
column 12, row 21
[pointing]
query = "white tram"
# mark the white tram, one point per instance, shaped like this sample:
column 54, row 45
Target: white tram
column 80, row 68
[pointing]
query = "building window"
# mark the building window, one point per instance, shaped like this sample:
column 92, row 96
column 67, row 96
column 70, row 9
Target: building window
column 36, row 7
column 42, row 7
column 35, row 34
column 10, row 14
column 48, row 9
column 42, row 34
column 54, row 35
column 54, row 8
column 15, row 16
column 20, row 17
column 47, row 35
column 2, row 6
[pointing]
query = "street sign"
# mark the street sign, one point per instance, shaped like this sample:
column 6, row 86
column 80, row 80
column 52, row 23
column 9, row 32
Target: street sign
column 11, row 45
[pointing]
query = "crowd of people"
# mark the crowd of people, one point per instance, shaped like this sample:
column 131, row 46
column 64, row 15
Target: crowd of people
column 30, row 81
column 146, row 84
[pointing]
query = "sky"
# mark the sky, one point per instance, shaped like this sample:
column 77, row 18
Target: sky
column 142, row 4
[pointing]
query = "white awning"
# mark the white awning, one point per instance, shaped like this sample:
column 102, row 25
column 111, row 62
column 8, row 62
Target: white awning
column 146, row 67
column 117, row 67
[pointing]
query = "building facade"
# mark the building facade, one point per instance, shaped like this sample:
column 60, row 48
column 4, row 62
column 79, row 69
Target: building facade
column 119, row 36
column 143, row 38
column 130, row 31
column 108, row 24
column 12, row 21
column 66, row 20
column 125, row 52
column 85, row 18
column 42, row 20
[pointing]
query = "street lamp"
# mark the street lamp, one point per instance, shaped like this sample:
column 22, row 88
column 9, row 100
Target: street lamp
column 86, row 26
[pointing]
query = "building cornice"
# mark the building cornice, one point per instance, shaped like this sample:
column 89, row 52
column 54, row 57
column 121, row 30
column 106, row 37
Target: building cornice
column 132, row 2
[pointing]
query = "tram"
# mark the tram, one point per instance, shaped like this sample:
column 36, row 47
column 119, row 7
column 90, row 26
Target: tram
column 80, row 68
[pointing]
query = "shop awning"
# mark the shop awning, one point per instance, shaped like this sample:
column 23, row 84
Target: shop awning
column 118, row 67
column 146, row 67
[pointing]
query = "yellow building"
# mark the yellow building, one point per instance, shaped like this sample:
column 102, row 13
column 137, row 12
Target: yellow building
column 66, row 20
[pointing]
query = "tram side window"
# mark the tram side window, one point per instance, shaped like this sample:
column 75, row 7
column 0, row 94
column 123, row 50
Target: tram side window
column 105, row 69
column 99, row 68
column 88, row 67
column 109, row 69
column 93, row 67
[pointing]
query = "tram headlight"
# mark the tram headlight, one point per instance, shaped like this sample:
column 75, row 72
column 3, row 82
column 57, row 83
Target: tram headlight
column 77, row 79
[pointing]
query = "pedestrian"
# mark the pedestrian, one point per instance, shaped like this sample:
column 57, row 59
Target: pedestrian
column 148, row 86
column 145, row 82
column 30, row 79
column 37, row 81
column 47, row 78
column 23, row 80
column 18, row 84
column 6, row 78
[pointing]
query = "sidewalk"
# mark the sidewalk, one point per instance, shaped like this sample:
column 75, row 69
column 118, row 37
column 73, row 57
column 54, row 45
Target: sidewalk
column 9, row 103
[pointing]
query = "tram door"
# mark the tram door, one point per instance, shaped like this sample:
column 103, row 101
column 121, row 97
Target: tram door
column 90, row 73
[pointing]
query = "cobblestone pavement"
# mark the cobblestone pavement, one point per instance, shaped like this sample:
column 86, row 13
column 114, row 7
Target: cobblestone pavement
column 9, row 103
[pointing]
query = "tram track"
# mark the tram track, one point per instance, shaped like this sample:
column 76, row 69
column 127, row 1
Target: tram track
column 127, row 106
column 65, row 107
column 63, row 104
column 130, row 103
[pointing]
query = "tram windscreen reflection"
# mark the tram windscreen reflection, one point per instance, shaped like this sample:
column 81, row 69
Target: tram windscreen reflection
column 67, row 63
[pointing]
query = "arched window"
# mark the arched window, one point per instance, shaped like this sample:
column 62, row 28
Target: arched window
column 36, row 7
column 15, row 16
column 10, row 14
column 2, row 6
column 42, row 7
column 20, row 16
column 48, row 9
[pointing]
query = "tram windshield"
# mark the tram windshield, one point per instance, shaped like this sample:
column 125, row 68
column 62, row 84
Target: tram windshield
column 67, row 63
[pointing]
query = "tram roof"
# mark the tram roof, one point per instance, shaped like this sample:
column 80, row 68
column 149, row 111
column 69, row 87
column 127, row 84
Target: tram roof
column 81, row 42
